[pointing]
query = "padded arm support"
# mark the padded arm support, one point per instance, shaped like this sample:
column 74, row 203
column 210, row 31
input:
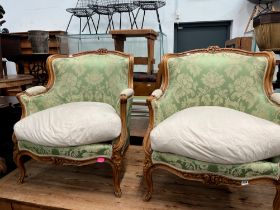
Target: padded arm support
column 36, row 90
column 157, row 93
column 128, row 92
column 275, row 97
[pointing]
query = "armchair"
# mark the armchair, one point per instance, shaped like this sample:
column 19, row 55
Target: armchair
column 82, row 115
column 215, row 119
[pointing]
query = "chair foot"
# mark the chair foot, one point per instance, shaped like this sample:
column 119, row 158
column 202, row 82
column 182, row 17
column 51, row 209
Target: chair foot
column 118, row 193
column 147, row 172
column 148, row 196
column 22, row 171
column 276, row 201
column 20, row 178
column 117, row 166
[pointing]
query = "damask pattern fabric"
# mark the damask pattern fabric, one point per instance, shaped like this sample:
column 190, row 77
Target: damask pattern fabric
column 87, row 78
column 220, row 79
column 83, row 152
column 75, row 80
column 235, row 171
column 217, row 135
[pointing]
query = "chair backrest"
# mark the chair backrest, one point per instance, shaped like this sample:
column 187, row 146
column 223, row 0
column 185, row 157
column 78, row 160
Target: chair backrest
column 150, row 4
column 218, row 77
column 98, row 76
column 83, row 3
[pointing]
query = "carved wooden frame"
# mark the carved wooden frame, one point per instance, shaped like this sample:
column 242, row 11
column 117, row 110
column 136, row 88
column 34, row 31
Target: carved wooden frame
column 119, row 146
column 207, row 178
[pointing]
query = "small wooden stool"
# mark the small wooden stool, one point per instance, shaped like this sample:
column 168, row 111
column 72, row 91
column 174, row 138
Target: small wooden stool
column 120, row 36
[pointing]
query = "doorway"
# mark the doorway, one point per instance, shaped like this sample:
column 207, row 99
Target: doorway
column 195, row 35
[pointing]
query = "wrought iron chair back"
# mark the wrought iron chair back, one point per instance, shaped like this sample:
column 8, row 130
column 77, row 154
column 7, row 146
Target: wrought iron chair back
column 102, row 7
column 149, row 5
column 82, row 11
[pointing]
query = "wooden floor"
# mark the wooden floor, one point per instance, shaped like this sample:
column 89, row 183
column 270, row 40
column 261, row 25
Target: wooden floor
column 90, row 187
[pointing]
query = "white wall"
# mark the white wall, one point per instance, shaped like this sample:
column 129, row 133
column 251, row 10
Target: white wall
column 51, row 15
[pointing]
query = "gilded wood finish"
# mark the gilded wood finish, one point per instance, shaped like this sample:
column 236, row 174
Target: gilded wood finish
column 118, row 153
column 207, row 178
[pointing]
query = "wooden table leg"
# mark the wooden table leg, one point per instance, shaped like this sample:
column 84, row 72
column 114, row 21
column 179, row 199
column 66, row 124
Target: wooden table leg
column 151, row 51
column 119, row 43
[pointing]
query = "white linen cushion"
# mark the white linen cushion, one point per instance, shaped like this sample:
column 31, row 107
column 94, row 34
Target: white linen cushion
column 70, row 124
column 217, row 135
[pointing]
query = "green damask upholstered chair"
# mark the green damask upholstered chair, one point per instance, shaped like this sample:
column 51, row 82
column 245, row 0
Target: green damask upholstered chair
column 215, row 119
column 82, row 116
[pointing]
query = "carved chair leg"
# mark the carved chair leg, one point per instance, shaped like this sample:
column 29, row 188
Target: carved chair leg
column 20, row 164
column 147, row 172
column 276, row 201
column 116, row 179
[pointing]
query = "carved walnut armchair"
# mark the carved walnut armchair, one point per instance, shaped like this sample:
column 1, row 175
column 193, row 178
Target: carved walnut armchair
column 82, row 115
column 215, row 119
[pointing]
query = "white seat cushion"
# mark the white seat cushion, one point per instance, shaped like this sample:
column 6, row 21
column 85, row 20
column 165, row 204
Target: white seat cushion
column 70, row 124
column 217, row 135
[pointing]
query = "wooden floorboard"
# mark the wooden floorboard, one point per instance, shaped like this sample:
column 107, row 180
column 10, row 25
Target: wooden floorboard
column 90, row 187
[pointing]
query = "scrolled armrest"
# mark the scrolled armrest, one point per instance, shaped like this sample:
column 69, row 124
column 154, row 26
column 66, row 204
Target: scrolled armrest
column 125, row 104
column 127, row 92
column 36, row 90
column 275, row 97
column 157, row 93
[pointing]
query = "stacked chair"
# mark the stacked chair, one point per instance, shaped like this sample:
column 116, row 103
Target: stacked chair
column 82, row 11
column 87, row 9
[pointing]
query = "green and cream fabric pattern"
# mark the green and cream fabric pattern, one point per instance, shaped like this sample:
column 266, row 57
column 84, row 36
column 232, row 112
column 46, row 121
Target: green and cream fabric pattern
column 76, row 80
column 86, row 78
column 236, row 171
column 221, row 79
column 82, row 152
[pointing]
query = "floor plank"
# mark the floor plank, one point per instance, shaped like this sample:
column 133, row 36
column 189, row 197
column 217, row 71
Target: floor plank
column 90, row 187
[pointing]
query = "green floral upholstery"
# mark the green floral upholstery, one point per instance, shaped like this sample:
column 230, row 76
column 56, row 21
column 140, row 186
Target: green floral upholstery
column 75, row 80
column 97, row 76
column 220, row 79
column 83, row 152
column 239, row 171
column 223, row 79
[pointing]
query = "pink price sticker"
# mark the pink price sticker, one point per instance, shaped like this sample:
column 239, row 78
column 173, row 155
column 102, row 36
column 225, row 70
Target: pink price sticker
column 100, row 160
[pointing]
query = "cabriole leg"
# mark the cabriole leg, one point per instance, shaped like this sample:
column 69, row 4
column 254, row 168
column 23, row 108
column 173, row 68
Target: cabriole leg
column 117, row 163
column 20, row 164
column 147, row 172
column 276, row 201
